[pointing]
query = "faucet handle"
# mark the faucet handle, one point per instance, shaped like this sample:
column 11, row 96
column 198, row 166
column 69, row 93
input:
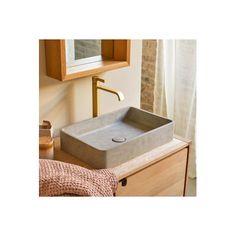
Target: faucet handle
column 96, row 78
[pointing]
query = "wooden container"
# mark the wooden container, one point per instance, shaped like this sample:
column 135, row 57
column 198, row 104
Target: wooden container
column 46, row 149
column 46, row 129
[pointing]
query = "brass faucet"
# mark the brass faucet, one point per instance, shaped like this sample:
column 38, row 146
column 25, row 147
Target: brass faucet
column 96, row 86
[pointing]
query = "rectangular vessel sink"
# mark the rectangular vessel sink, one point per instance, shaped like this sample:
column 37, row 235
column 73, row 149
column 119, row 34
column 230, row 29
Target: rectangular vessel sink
column 114, row 138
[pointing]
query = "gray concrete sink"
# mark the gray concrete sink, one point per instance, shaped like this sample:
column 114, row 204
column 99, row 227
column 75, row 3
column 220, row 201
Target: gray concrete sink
column 114, row 138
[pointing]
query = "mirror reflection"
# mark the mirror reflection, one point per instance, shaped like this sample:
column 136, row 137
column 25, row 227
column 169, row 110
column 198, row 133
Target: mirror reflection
column 82, row 51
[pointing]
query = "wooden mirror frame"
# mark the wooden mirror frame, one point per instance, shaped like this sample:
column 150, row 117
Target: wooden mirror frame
column 115, row 54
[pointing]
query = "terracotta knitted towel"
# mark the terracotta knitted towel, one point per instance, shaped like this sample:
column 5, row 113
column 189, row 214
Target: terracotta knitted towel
column 58, row 178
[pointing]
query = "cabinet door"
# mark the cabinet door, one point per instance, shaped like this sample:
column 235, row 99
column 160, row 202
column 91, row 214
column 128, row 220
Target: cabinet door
column 164, row 178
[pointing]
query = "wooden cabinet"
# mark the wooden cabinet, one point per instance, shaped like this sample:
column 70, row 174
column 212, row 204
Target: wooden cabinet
column 114, row 54
column 163, row 178
column 160, row 172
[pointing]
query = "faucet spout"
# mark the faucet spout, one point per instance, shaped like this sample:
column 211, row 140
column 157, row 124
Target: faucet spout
column 119, row 94
column 96, row 87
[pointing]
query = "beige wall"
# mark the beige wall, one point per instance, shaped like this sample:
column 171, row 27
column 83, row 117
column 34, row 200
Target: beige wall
column 64, row 103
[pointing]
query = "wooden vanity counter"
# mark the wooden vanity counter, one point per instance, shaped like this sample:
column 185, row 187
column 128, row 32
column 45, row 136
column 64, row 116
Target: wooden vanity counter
column 160, row 172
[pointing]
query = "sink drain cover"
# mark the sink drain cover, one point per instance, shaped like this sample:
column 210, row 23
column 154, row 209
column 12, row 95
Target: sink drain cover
column 119, row 139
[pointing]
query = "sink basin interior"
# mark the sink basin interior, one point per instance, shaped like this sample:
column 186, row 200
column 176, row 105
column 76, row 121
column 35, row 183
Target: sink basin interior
column 102, row 139
column 126, row 124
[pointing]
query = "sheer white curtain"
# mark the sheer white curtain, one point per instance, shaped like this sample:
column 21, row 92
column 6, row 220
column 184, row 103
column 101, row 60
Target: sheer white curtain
column 175, row 92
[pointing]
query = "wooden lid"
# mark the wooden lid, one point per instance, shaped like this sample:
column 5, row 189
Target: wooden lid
column 45, row 142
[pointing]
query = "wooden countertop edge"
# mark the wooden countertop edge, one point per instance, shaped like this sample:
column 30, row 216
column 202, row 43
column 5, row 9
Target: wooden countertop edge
column 129, row 167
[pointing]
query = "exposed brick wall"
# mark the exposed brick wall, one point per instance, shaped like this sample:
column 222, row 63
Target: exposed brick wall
column 149, row 58
column 87, row 48
column 159, row 91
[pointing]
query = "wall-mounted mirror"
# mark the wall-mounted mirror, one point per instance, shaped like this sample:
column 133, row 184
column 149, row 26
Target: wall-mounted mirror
column 75, row 58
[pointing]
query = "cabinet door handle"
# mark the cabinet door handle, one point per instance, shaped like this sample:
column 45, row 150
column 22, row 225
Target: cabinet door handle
column 123, row 182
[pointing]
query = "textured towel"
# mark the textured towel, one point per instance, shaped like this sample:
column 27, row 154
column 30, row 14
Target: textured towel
column 58, row 178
